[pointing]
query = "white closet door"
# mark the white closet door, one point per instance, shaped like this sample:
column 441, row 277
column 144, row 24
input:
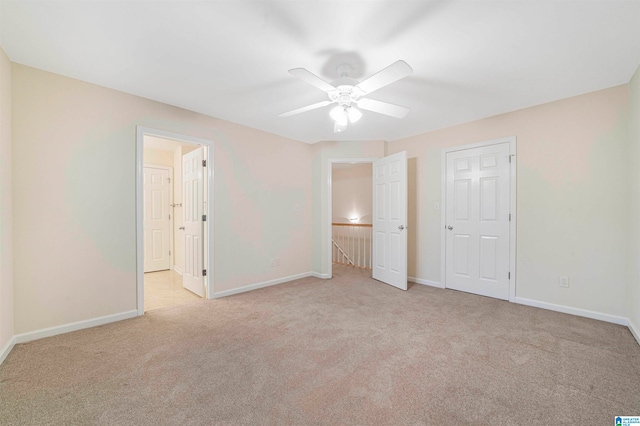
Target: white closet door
column 156, row 219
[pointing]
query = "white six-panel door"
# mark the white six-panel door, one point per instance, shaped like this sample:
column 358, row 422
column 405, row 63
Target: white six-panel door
column 156, row 220
column 193, row 205
column 390, row 220
column 477, row 220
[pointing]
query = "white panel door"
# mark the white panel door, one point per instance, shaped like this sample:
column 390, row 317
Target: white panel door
column 477, row 220
column 390, row 220
column 193, row 205
column 156, row 219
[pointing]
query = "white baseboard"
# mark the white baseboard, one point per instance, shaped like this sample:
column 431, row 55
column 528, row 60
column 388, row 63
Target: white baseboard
column 321, row 276
column 634, row 330
column 177, row 269
column 4, row 352
column 425, row 282
column 74, row 326
column 573, row 311
column 225, row 293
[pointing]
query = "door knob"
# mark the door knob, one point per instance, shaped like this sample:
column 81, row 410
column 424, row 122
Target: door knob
column 401, row 227
column 450, row 227
column 181, row 228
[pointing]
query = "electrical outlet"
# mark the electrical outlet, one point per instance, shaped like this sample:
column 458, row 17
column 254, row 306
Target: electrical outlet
column 274, row 262
column 564, row 282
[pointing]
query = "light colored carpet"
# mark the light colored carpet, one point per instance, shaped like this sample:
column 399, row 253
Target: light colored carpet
column 344, row 351
column 163, row 289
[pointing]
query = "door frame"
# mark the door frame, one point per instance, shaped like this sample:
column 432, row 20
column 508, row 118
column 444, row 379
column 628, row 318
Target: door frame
column 141, row 131
column 171, row 230
column 512, row 206
column 329, row 217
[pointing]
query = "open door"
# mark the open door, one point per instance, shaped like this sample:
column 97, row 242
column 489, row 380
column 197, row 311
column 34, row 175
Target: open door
column 193, row 204
column 390, row 220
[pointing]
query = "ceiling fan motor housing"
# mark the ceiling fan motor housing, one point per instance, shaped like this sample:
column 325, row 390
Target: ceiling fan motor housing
column 345, row 93
column 345, row 99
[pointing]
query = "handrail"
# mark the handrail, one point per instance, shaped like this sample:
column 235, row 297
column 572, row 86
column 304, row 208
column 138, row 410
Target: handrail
column 366, row 225
column 345, row 255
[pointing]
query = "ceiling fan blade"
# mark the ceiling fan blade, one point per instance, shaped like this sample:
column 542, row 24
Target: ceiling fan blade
column 312, row 79
column 393, row 72
column 305, row 109
column 385, row 108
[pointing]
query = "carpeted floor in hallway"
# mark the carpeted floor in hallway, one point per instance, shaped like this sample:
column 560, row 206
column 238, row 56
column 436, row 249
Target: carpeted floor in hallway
column 349, row 350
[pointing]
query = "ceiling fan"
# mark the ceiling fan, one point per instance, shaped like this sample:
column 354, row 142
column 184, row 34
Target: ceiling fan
column 348, row 93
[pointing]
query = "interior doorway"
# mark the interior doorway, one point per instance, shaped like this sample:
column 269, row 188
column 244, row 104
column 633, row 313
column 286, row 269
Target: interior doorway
column 388, row 247
column 330, row 219
column 352, row 215
column 174, row 192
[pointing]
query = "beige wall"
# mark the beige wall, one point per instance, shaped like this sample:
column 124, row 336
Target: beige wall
column 6, row 223
column 634, row 200
column 157, row 157
column 351, row 193
column 322, row 153
column 74, row 216
column 571, row 197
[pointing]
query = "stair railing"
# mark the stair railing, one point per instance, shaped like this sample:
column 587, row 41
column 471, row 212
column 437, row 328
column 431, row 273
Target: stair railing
column 352, row 244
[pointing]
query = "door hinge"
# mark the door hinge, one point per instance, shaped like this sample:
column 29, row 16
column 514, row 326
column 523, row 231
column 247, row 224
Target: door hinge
column 204, row 163
column 169, row 217
column 204, row 272
column 169, row 252
column 169, row 180
column 508, row 275
column 509, row 217
column 509, row 159
column 204, row 217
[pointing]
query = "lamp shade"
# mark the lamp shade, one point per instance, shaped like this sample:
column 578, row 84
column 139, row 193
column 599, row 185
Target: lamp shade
column 354, row 114
column 339, row 115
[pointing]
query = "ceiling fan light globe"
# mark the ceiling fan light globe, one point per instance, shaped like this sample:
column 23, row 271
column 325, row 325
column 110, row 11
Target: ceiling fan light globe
column 339, row 115
column 354, row 115
column 335, row 113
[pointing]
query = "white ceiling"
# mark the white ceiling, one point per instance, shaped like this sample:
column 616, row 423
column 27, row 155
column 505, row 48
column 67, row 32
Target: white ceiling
column 229, row 59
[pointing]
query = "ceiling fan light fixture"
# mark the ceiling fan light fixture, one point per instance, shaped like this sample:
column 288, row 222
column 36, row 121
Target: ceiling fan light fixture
column 339, row 115
column 346, row 92
column 354, row 114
